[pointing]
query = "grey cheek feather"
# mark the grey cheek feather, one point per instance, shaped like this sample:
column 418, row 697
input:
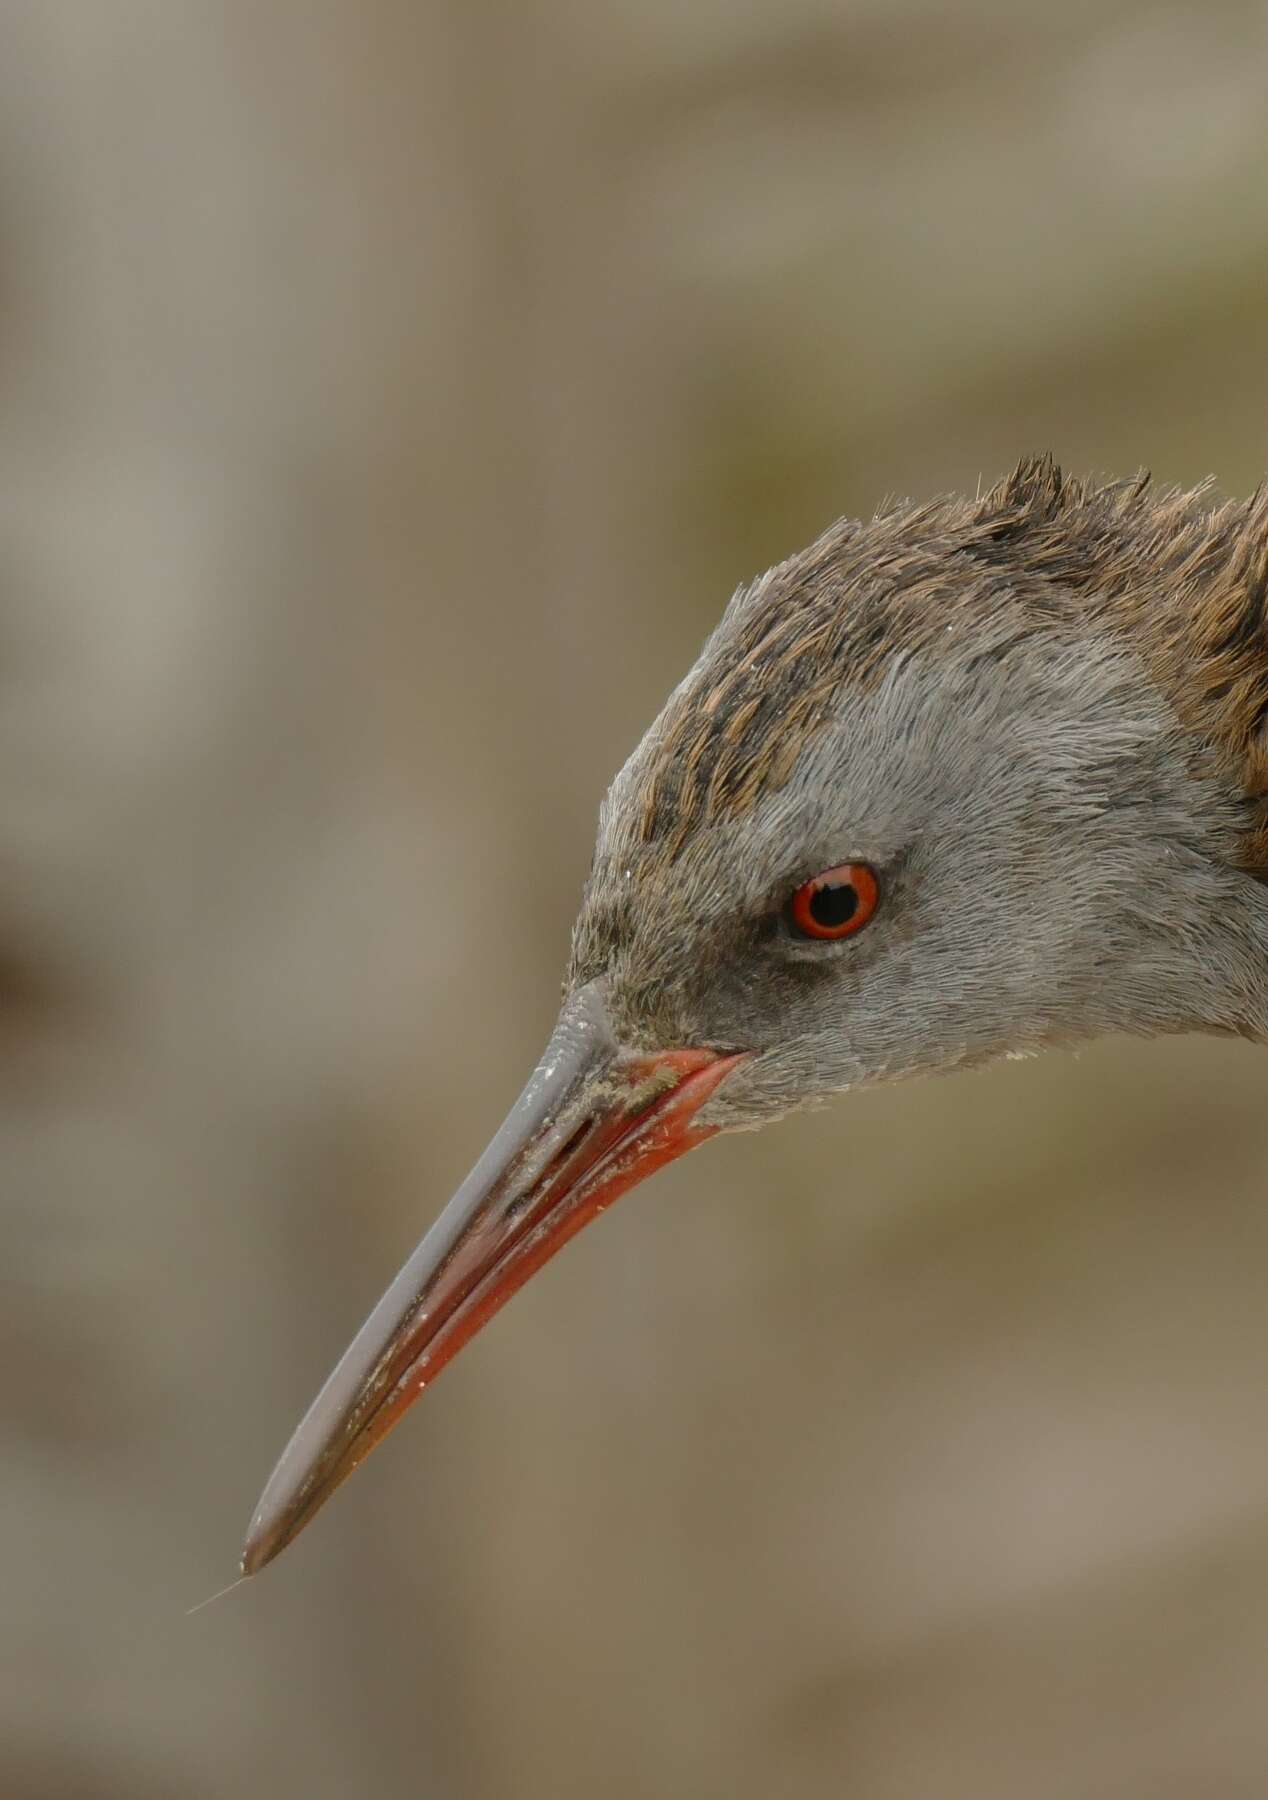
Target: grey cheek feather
column 1062, row 868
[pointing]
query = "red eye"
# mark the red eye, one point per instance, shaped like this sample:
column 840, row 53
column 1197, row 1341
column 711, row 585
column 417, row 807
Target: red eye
column 836, row 903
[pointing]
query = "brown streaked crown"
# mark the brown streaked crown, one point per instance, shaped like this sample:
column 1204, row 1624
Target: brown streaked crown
column 1184, row 582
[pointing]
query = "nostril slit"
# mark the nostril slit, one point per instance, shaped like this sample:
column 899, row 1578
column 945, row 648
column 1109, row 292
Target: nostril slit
column 550, row 1169
column 570, row 1144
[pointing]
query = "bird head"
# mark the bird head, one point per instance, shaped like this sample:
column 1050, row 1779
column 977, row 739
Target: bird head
column 960, row 782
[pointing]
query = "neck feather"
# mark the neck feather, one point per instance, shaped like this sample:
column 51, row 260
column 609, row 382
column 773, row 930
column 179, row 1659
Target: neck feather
column 1184, row 582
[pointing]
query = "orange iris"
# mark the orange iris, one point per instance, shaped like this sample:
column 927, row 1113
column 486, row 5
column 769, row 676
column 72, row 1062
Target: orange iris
column 837, row 902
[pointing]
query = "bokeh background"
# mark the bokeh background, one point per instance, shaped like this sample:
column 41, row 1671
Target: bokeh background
column 390, row 397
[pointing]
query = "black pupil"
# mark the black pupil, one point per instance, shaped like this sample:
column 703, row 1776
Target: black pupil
column 833, row 905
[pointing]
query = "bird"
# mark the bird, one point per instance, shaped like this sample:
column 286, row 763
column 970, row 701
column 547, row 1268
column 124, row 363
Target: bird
column 975, row 777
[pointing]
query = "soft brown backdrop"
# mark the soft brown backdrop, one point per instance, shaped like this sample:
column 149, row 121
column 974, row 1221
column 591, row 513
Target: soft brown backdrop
column 390, row 397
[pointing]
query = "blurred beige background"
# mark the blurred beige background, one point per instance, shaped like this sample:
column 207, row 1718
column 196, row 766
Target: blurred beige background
column 390, row 398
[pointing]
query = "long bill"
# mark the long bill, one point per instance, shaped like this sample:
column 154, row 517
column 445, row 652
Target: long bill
column 592, row 1122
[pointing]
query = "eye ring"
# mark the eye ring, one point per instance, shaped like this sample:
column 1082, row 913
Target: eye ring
column 835, row 903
